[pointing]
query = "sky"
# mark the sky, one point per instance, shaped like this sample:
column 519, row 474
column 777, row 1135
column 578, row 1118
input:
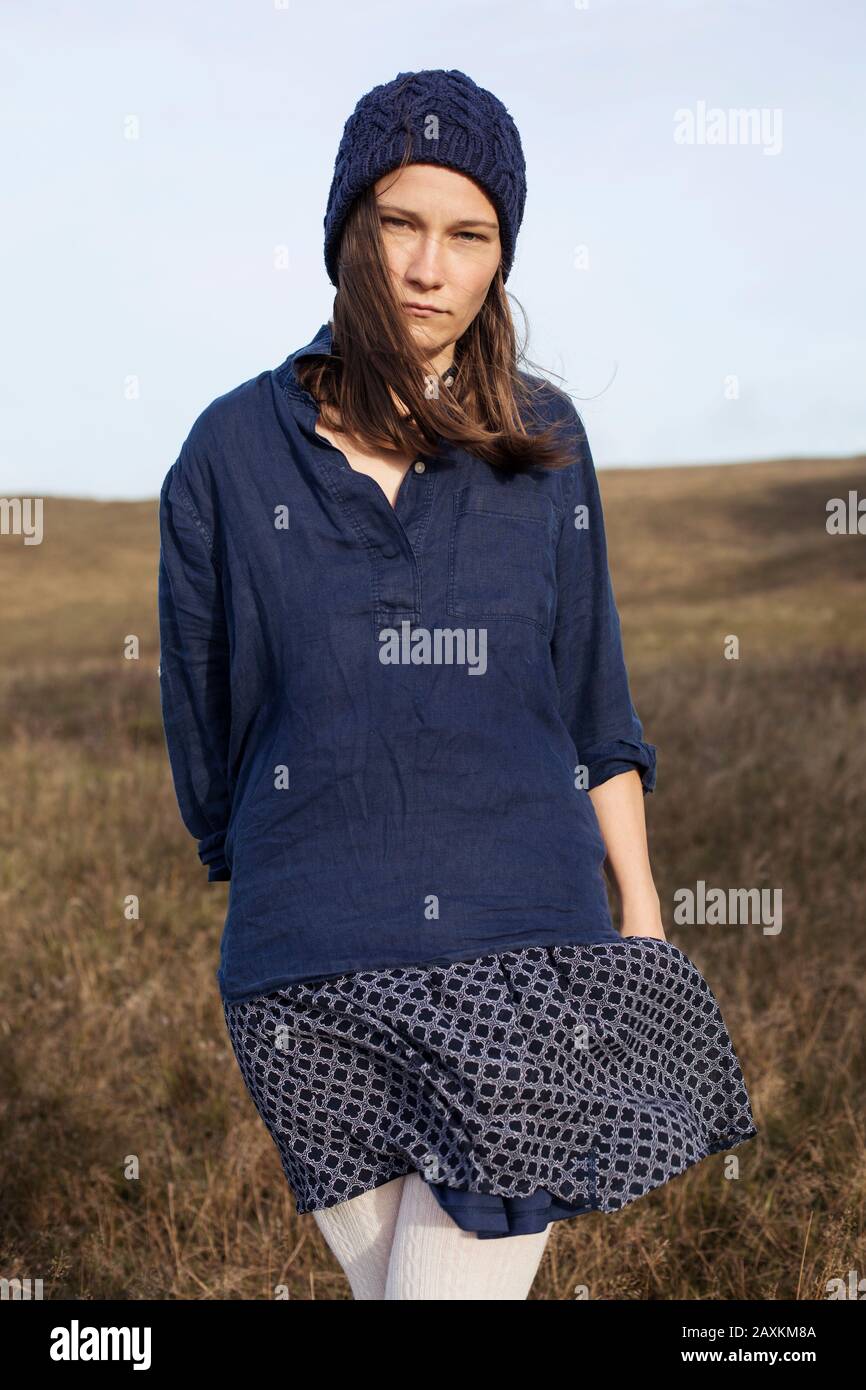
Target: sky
column 696, row 283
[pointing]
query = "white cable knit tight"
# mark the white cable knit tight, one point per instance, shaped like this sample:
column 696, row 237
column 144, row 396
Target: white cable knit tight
column 396, row 1242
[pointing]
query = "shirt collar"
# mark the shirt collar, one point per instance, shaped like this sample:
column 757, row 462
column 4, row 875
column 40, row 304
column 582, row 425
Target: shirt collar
column 322, row 344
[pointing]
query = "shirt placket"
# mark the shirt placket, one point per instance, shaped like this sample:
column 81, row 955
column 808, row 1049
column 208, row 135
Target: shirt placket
column 392, row 536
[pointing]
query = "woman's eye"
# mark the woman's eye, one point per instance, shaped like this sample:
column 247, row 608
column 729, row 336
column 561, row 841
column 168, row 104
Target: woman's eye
column 401, row 222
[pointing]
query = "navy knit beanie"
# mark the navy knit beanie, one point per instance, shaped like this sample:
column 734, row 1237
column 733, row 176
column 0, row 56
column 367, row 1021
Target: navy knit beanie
column 451, row 121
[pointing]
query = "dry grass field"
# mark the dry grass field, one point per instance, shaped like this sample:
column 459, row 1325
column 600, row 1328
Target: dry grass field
column 113, row 1047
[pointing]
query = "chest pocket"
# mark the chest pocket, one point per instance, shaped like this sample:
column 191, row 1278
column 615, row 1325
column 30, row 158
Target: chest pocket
column 502, row 555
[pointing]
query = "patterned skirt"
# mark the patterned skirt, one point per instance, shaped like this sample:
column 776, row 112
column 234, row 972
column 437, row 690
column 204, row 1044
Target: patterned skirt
column 525, row 1086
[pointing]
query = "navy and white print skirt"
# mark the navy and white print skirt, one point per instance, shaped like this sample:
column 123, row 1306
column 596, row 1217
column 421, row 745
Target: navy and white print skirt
column 525, row 1086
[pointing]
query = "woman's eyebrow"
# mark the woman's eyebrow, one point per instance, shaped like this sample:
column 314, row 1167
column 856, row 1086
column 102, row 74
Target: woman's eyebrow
column 463, row 221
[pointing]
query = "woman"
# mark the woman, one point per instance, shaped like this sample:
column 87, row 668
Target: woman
column 399, row 722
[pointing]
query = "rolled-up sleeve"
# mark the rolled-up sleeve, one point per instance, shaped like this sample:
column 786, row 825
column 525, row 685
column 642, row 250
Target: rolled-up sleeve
column 194, row 667
column 586, row 646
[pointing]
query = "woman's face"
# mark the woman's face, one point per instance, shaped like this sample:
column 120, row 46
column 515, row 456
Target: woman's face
column 441, row 238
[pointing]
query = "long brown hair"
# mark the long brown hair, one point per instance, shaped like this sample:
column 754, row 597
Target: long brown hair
column 490, row 410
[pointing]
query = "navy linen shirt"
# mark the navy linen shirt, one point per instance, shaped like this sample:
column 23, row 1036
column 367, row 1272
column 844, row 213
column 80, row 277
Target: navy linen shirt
column 382, row 722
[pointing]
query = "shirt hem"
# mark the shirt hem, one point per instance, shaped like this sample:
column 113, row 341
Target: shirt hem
column 444, row 958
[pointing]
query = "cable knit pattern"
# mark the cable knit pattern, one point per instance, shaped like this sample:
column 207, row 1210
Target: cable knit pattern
column 451, row 121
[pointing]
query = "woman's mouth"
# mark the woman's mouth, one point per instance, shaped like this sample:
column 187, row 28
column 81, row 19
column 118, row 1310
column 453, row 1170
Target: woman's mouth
column 422, row 311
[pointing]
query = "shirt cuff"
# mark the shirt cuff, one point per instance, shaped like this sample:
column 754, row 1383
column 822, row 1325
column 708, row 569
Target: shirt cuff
column 211, row 852
column 606, row 760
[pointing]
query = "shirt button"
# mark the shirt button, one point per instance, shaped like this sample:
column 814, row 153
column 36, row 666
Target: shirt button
column 419, row 465
column 389, row 551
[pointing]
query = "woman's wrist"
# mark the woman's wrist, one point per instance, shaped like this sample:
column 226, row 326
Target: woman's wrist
column 641, row 913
